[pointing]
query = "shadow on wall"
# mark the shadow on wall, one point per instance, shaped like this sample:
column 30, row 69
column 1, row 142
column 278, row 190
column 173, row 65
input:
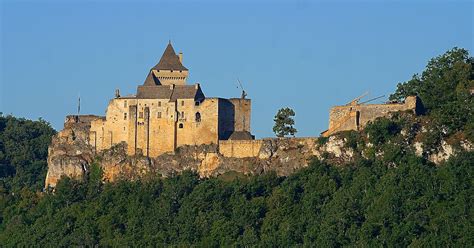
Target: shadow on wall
column 226, row 123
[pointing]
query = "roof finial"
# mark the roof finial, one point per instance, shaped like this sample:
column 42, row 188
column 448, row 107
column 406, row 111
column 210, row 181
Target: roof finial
column 169, row 42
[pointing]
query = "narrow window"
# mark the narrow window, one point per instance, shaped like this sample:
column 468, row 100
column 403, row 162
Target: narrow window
column 140, row 115
column 196, row 103
column 159, row 104
column 125, row 104
column 124, row 116
column 180, row 125
column 182, row 103
column 357, row 119
column 198, row 117
column 182, row 115
column 159, row 115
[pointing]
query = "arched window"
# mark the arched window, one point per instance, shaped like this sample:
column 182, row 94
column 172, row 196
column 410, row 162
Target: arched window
column 198, row 117
column 181, row 125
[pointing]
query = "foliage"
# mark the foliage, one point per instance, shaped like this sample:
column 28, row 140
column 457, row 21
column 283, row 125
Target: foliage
column 284, row 122
column 322, row 140
column 23, row 151
column 445, row 90
column 367, row 204
column 381, row 130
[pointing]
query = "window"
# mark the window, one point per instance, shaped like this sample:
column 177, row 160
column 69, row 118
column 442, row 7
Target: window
column 124, row 116
column 196, row 103
column 181, row 125
column 158, row 115
column 125, row 104
column 159, row 104
column 140, row 115
column 198, row 117
column 182, row 115
column 182, row 103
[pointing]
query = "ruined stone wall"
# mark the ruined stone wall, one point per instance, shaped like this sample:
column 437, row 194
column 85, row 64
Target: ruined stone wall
column 240, row 148
column 356, row 117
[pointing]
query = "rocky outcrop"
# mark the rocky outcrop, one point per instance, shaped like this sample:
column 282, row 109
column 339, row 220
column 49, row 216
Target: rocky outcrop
column 71, row 155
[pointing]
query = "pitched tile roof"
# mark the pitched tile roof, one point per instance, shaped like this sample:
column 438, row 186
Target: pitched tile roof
column 169, row 61
column 170, row 93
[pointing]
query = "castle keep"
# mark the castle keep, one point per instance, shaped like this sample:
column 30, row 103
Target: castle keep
column 166, row 113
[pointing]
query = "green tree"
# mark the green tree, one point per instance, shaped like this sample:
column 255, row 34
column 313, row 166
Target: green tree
column 445, row 90
column 284, row 122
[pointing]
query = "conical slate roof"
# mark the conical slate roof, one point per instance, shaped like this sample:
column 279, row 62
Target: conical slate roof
column 170, row 61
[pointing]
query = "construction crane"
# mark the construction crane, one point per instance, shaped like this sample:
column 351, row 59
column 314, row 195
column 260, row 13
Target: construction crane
column 373, row 99
column 357, row 99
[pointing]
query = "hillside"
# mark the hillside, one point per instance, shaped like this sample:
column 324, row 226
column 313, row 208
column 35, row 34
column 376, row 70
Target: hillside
column 404, row 180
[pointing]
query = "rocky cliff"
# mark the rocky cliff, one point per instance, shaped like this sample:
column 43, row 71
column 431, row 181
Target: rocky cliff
column 71, row 155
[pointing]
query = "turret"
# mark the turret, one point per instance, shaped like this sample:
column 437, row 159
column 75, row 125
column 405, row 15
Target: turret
column 169, row 69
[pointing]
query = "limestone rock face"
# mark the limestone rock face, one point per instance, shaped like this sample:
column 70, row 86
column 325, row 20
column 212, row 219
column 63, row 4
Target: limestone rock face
column 70, row 155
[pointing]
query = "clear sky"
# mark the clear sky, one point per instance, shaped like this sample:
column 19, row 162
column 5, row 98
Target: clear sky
column 305, row 55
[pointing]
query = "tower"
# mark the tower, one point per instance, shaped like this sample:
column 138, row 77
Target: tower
column 169, row 69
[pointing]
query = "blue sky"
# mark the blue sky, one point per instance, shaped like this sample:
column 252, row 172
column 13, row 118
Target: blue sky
column 305, row 55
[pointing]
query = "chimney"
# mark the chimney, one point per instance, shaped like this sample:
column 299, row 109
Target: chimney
column 180, row 56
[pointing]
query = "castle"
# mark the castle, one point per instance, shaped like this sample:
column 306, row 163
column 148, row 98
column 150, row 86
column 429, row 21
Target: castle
column 140, row 133
column 167, row 113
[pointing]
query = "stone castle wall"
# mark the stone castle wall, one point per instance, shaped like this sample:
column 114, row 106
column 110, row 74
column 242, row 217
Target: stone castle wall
column 72, row 157
column 240, row 148
column 154, row 126
column 70, row 154
column 356, row 117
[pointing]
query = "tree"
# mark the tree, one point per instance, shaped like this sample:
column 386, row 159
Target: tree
column 284, row 122
column 445, row 90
